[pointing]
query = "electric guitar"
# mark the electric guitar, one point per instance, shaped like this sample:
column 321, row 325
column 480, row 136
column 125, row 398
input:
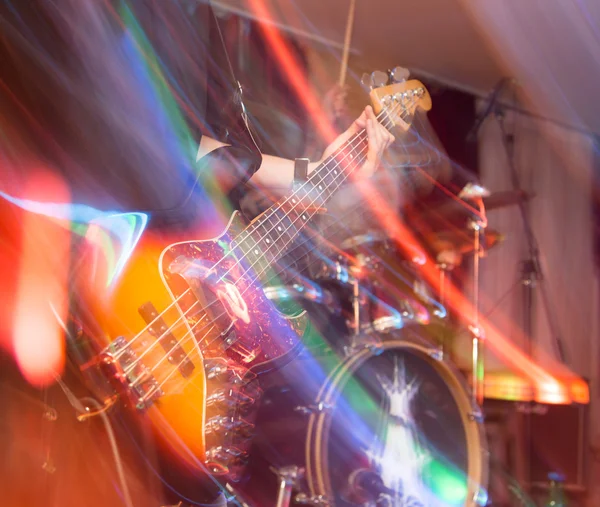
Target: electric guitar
column 186, row 326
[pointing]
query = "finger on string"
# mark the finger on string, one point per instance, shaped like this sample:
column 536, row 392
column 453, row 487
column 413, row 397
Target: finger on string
column 314, row 173
column 369, row 127
column 361, row 121
column 371, row 138
column 187, row 338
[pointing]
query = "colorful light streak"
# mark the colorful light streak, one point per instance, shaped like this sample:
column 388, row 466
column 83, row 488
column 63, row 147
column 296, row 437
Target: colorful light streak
column 117, row 236
column 565, row 391
column 42, row 260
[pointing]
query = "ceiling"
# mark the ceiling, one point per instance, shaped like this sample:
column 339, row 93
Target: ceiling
column 552, row 47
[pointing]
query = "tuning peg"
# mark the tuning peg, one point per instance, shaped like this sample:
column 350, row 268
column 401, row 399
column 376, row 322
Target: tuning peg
column 399, row 74
column 376, row 79
column 379, row 79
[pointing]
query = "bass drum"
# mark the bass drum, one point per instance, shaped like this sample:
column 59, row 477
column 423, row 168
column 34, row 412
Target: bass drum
column 389, row 426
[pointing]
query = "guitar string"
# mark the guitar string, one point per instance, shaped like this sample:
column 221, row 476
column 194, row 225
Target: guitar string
column 344, row 173
column 181, row 317
column 239, row 243
column 184, row 315
column 343, row 176
column 306, row 240
column 188, row 336
column 280, row 270
column 118, row 354
column 296, row 193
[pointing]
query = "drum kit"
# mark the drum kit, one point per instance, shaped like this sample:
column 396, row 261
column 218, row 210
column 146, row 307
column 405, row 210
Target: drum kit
column 374, row 412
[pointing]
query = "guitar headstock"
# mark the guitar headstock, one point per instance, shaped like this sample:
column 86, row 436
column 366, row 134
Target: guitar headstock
column 399, row 100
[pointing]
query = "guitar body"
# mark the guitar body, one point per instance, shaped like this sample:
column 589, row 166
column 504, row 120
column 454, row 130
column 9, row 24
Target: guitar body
column 239, row 320
column 182, row 328
column 181, row 334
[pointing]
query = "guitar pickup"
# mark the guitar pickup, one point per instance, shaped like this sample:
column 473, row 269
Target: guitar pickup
column 168, row 342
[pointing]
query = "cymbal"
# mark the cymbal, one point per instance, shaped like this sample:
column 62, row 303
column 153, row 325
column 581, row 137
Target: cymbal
column 461, row 241
column 506, row 198
column 457, row 209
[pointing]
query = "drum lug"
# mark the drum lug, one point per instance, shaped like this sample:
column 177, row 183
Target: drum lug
column 477, row 416
column 313, row 409
column 369, row 341
column 437, row 354
column 290, row 474
column 289, row 478
column 303, row 498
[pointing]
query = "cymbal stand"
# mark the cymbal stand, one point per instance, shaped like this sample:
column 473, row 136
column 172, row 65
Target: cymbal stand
column 477, row 333
column 288, row 478
column 445, row 264
column 356, row 305
column 443, row 269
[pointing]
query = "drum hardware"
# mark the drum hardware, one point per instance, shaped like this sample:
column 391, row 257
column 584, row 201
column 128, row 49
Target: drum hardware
column 289, row 478
column 447, row 261
column 455, row 209
column 437, row 354
column 316, row 500
column 347, row 419
column 384, row 324
column 231, row 397
column 366, row 487
column 477, row 416
column 368, row 339
column 476, row 331
column 356, row 306
column 323, row 481
column 313, row 409
column 472, row 191
column 450, row 245
column 379, row 267
column 335, row 270
column 235, row 496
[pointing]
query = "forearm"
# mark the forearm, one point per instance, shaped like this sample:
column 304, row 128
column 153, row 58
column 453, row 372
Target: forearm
column 277, row 174
column 274, row 173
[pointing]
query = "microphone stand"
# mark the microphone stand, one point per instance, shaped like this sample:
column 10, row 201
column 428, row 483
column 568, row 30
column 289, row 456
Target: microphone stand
column 531, row 269
column 531, row 276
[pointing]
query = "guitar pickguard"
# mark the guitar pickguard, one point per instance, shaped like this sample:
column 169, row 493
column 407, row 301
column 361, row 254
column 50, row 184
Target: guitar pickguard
column 226, row 310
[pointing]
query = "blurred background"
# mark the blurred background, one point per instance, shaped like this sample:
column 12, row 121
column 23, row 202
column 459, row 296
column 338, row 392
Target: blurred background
column 514, row 88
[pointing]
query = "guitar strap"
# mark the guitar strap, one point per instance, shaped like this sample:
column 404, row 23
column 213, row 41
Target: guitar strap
column 238, row 94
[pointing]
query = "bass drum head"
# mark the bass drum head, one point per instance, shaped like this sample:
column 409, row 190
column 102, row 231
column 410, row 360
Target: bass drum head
column 401, row 416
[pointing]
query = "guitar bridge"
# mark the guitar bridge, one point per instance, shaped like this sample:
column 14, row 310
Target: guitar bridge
column 128, row 375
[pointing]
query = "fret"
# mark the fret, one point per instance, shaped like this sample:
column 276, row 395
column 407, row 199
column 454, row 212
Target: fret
column 277, row 229
column 334, row 170
column 267, row 238
column 271, row 238
column 252, row 252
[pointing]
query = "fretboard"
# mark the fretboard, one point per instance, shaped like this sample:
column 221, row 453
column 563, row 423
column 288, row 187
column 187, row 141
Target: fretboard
column 268, row 236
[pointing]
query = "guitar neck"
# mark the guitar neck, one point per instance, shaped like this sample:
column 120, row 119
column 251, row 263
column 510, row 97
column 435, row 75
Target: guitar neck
column 268, row 236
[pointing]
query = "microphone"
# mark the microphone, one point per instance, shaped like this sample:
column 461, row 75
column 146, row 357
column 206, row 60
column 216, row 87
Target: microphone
column 365, row 485
column 472, row 135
